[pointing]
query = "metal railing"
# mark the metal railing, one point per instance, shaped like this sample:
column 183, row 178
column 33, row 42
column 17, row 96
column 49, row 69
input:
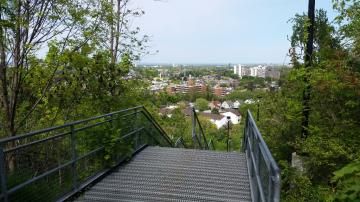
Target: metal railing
column 198, row 134
column 180, row 143
column 263, row 170
column 211, row 145
column 55, row 163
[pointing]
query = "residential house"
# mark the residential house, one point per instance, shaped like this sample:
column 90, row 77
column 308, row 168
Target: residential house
column 236, row 104
column 221, row 120
column 249, row 101
column 167, row 111
column 219, row 91
column 235, row 119
column 214, row 105
column 234, row 111
column 227, row 105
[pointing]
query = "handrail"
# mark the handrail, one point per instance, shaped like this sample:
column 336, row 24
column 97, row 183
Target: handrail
column 263, row 171
column 195, row 135
column 18, row 137
column 65, row 138
column 180, row 143
column 211, row 144
column 158, row 126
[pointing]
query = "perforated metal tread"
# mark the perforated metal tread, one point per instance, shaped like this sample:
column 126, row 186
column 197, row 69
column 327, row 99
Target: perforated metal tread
column 172, row 174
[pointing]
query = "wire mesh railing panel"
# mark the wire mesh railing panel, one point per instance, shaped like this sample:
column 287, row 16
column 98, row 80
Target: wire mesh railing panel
column 33, row 160
column 48, row 188
column 264, row 174
column 90, row 165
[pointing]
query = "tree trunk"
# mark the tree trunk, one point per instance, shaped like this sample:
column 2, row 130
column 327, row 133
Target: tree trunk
column 118, row 28
column 308, row 63
column 112, row 36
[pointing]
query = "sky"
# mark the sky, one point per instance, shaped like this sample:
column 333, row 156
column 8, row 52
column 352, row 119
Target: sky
column 219, row 31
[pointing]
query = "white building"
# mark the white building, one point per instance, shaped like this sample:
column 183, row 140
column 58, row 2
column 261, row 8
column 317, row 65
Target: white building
column 258, row 71
column 227, row 105
column 234, row 119
column 236, row 104
column 239, row 70
column 249, row 101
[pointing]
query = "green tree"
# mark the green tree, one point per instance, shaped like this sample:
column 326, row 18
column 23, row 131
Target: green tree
column 201, row 104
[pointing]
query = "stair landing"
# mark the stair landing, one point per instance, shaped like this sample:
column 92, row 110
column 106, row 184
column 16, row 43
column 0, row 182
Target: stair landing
column 173, row 174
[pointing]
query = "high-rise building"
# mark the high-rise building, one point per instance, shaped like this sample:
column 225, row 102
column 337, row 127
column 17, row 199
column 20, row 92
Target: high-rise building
column 236, row 70
column 239, row 70
column 258, row 71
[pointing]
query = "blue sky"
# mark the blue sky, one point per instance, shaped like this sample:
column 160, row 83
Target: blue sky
column 220, row 31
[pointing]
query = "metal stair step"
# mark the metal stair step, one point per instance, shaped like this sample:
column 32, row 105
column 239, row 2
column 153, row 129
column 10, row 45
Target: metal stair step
column 159, row 195
column 171, row 189
column 173, row 174
column 220, row 185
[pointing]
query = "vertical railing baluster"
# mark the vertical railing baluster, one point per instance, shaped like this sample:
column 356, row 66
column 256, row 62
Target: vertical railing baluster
column 74, row 157
column 194, row 136
column 136, row 124
column 3, row 175
column 270, row 184
column 276, row 187
column 151, row 140
column 136, row 140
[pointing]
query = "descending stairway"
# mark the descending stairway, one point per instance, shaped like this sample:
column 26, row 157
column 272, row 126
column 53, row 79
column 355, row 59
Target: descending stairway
column 62, row 162
column 172, row 174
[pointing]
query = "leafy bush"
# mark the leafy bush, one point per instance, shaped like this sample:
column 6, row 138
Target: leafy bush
column 348, row 182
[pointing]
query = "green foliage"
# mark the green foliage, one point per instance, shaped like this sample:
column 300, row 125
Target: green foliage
column 349, row 22
column 148, row 73
column 201, row 104
column 251, row 82
column 215, row 111
column 334, row 130
column 327, row 44
column 245, row 94
column 296, row 186
column 178, row 125
column 347, row 180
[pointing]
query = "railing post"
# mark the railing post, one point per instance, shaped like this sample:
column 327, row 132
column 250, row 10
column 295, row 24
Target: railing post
column 3, row 175
column 276, row 187
column 136, row 140
column 136, row 126
column 228, row 133
column 194, row 136
column 245, row 136
column 270, row 185
column 74, row 157
column 150, row 137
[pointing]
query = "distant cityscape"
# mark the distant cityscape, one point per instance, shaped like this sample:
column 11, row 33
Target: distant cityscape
column 219, row 86
column 174, row 65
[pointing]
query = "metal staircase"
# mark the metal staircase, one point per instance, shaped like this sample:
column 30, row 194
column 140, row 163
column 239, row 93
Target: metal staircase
column 127, row 156
column 171, row 174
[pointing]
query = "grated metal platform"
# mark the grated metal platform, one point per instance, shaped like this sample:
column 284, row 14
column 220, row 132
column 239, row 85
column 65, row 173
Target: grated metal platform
column 172, row 174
